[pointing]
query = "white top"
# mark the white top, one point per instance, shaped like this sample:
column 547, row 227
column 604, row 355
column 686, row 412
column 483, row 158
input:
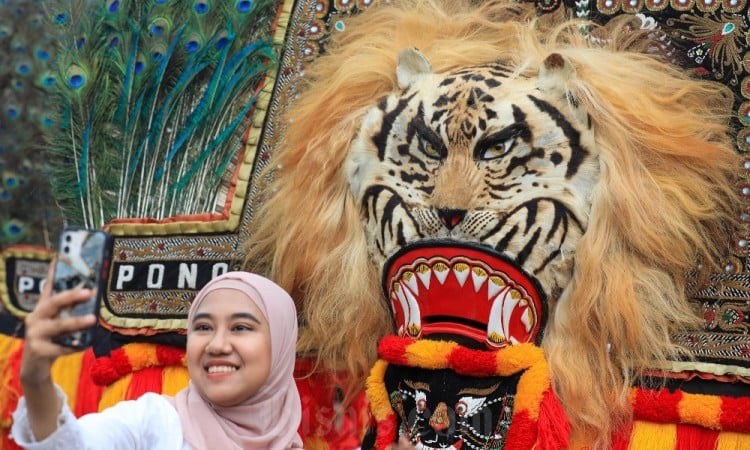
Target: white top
column 148, row 423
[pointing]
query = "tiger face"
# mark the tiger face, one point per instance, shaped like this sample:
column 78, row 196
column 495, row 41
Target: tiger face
column 478, row 155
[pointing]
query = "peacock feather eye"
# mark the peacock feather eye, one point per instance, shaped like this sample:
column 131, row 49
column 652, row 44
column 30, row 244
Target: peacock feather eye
column 5, row 31
column 243, row 6
column 61, row 18
column 222, row 39
column 12, row 230
column 41, row 53
column 113, row 5
column 159, row 26
column 23, row 68
column 76, row 77
column 140, row 64
column 158, row 52
column 4, row 195
column 201, row 7
column 194, row 42
column 13, row 111
column 46, row 79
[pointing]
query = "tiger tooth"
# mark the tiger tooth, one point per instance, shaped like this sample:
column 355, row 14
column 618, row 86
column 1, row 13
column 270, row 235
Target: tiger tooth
column 424, row 273
column 410, row 281
column 461, row 270
column 527, row 318
column 478, row 276
column 403, row 302
column 510, row 300
column 495, row 286
column 413, row 320
column 441, row 272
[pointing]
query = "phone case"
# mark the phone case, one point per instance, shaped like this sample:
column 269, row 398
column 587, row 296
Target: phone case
column 82, row 262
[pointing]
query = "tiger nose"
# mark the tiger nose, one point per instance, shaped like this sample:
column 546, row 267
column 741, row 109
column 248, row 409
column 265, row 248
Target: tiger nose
column 439, row 420
column 451, row 217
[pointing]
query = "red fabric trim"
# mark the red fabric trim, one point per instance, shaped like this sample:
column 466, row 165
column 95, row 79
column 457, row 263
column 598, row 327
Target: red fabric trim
column 659, row 406
column 476, row 363
column 734, row 414
column 393, row 349
column 170, row 356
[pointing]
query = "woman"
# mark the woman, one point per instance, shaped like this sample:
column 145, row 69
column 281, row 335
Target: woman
column 241, row 338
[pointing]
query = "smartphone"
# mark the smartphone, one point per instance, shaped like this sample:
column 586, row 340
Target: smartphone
column 82, row 261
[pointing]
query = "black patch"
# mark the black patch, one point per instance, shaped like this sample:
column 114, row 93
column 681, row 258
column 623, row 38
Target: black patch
column 577, row 152
column 437, row 115
column 556, row 158
column 444, row 100
column 381, row 138
column 492, row 83
column 409, row 178
column 447, row 81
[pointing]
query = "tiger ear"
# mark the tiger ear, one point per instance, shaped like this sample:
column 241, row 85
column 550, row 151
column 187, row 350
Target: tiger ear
column 411, row 64
column 555, row 77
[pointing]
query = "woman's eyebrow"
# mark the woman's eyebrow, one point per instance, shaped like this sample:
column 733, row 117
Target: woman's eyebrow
column 239, row 315
column 246, row 315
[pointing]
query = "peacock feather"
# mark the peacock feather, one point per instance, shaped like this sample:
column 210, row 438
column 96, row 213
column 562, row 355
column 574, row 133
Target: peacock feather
column 28, row 213
column 151, row 102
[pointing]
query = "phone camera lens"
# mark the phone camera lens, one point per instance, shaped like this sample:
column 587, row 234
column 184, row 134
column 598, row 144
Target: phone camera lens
column 66, row 249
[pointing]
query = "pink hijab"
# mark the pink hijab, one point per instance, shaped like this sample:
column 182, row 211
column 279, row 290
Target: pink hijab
column 270, row 418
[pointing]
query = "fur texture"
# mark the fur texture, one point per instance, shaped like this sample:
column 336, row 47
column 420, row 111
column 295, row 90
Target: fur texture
column 663, row 200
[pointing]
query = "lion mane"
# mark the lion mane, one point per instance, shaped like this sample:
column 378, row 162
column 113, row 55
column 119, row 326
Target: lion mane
column 663, row 202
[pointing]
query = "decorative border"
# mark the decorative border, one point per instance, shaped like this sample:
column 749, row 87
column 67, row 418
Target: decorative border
column 9, row 284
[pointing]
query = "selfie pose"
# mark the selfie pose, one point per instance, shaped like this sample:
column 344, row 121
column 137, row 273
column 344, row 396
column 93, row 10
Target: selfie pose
column 241, row 337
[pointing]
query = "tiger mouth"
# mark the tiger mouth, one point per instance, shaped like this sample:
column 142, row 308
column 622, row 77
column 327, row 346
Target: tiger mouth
column 447, row 287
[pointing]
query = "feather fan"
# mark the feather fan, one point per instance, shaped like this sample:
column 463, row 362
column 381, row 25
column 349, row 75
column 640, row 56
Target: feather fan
column 153, row 99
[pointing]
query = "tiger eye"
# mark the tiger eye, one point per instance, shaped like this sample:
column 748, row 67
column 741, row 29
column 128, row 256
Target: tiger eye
column 431, row 151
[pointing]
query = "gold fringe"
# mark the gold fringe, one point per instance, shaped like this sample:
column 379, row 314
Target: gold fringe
column 66, row 372
column 174, row 379
column 115, row 392
column 733, row 441
column 650, row 435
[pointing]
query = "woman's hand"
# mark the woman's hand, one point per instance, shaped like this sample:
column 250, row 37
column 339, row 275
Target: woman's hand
column 39, row 353
column 43, row 324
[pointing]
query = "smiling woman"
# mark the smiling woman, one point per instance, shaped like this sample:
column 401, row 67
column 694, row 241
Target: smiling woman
column 242, row 331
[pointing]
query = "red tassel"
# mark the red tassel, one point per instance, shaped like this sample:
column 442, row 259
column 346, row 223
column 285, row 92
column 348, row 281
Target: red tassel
column 145, row 380
column 554, row 428
column 89, row 391
column 522, row 433
column 386, row 435
column 691, row 437
column 621, row 439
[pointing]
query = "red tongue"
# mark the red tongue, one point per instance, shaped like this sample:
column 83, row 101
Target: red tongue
column 463, row 291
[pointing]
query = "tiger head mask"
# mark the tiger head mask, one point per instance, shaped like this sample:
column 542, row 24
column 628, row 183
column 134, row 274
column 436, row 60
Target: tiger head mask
column 571, row 183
